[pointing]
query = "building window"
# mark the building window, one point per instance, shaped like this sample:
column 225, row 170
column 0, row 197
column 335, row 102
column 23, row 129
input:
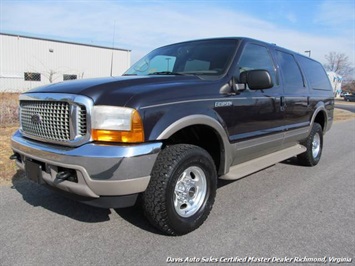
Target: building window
column 30, row 76
column 69, row 77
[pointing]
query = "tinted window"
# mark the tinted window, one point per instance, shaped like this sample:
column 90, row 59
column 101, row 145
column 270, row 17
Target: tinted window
column 315, row 73
column 256, row 57
column 291, row 73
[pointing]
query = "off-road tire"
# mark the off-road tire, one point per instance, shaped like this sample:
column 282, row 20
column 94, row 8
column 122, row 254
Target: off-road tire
column 314, row 145
column 158, row 199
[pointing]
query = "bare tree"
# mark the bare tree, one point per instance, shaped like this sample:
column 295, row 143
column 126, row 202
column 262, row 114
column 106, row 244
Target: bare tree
column 338, row 63
column 349, row 86
column 50, row 75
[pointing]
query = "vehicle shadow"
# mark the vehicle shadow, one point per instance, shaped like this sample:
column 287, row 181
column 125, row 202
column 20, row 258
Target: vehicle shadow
column 135, row 216
column 292, row 161
column 39, row 196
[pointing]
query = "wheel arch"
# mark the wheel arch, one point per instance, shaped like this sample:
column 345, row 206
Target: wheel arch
column 202, row 131
column 320, row 116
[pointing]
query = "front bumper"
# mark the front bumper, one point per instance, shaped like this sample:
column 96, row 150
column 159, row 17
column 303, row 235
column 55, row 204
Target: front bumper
column 102, row 171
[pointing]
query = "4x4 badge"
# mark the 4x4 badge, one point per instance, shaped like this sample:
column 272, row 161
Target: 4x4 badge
column 36, row 119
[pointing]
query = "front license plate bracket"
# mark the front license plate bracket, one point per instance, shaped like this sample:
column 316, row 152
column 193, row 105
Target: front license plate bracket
column 33, row 171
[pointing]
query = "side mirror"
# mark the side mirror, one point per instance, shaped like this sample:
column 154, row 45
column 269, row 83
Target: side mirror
column 258, row 79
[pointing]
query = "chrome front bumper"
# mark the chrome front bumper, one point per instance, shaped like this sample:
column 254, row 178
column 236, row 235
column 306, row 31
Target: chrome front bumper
column 101, row 170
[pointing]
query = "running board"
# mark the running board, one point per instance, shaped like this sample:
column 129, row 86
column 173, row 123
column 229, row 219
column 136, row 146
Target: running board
column 249, row 167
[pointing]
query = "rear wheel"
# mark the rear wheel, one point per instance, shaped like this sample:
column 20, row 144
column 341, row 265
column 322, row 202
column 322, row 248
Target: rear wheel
column 314, row 145
column 182, row 189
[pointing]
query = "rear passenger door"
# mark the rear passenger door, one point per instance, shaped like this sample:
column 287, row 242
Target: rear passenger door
column 295, row 100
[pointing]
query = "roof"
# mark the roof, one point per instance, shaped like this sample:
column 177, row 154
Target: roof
column 66, row 42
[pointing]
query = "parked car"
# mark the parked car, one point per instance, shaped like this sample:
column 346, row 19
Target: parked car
column 344, row 93
column 181, row 118
column 349, row 97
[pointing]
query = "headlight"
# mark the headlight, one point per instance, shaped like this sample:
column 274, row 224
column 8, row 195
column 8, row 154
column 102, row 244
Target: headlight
column 116, row 124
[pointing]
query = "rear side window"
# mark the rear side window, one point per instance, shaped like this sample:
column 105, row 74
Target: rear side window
column 315, row 74
column 257, row 57
column 291, row 72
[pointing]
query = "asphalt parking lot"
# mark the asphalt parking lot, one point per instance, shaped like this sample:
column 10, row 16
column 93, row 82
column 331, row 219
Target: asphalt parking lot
column 285, row 212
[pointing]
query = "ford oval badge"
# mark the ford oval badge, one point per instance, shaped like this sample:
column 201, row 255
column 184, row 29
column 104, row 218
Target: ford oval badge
column 36, row 119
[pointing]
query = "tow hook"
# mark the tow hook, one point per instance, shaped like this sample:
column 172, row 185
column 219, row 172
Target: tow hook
column 14, row 157
column 67, row 175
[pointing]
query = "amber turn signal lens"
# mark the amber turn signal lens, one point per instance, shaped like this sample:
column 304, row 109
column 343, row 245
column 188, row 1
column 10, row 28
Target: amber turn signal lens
column 135, row 135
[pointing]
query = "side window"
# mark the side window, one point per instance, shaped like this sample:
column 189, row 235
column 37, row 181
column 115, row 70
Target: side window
column 315, row 74
column 292, row 75
column 257, row 57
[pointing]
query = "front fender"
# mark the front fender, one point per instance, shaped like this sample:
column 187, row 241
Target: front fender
column 173, row 120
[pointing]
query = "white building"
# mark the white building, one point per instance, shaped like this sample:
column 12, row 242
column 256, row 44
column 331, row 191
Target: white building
column 27, row 62
column 335, row 81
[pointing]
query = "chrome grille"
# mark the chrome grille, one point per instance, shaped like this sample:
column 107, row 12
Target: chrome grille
column 82, row 125
column 56, row 121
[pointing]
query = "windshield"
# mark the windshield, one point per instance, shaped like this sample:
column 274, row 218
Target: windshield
column 206, row 57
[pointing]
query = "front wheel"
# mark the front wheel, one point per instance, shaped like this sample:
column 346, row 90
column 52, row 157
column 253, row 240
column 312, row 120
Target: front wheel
column 182, row 189
column 314, row 145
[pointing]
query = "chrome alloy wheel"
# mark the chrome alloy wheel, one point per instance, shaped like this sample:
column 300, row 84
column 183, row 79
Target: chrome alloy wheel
column 190, row 191
column 316, row 145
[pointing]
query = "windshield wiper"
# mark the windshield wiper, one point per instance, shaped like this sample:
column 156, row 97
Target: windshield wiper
column 166, row 73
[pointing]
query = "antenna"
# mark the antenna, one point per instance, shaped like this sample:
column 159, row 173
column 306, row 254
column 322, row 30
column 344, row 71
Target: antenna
column 113, row 44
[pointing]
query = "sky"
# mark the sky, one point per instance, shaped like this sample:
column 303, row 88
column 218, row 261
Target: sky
column 319, row 26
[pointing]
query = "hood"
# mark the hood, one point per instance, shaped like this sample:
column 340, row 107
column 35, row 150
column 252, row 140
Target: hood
column 116, row 90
